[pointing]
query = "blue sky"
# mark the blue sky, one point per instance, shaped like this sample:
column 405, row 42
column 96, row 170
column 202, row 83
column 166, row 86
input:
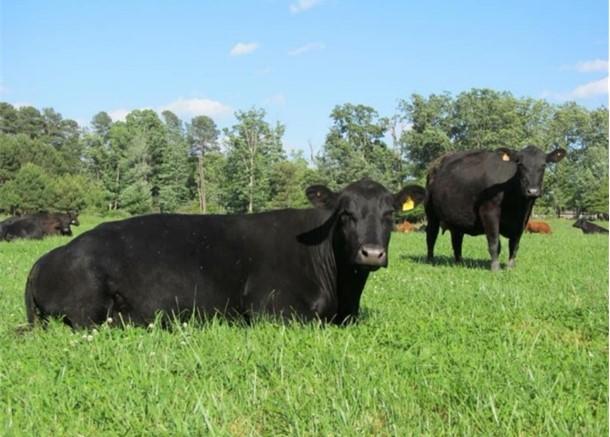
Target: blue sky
column 295, row 58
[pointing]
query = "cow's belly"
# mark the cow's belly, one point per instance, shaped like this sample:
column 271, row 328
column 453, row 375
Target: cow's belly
column 288, row 296
column 176, row 292
column 465, row 222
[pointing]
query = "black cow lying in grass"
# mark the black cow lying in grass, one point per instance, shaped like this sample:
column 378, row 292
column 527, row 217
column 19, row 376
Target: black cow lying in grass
column 589, row 228
column 37, row 226
column 308, row 263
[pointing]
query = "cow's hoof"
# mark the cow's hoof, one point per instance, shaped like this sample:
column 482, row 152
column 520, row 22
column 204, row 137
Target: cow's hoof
column 495, row 266
column 511, row 264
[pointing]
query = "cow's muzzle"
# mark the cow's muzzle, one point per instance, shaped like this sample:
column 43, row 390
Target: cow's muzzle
column 372, row 255
column 533, row 192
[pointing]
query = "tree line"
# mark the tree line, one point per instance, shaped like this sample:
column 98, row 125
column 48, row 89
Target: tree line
column 157, row 162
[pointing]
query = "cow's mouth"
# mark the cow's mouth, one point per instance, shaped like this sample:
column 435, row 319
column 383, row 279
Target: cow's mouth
column 368, row 267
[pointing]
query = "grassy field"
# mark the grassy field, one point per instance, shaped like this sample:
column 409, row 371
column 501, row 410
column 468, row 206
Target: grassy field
column 440, row 349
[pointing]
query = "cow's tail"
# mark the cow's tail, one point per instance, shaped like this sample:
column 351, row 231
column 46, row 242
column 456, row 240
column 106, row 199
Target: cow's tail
column 32, row 310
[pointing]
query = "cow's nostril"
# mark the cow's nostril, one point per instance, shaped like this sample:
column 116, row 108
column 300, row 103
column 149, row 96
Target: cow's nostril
column 381, row 254
column 364, row 252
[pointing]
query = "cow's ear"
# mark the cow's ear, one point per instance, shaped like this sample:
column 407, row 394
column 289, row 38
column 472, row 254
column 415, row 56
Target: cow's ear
column 409, row 197
column 507, row 154
column 556, row 155
column 500, row 166
column 321, row 196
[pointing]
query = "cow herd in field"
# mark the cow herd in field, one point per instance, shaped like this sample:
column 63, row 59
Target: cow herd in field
column 304, row 263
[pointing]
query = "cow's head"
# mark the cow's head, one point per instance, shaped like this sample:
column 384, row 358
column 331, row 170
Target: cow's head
column 364, row 213
column 530, row 164
column 73, row 216
column 64, row 227
column 580, row 223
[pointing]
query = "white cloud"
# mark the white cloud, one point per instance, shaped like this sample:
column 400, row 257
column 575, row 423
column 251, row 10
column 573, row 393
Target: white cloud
column 592, row 66
column 587, row 90
column 185, row 108
column 276, row 100
column 194, row 107
column 119, row 114
column 243, row 48
column 306, row 48
column 584, row 91
column 303, row 5
column 591, row 89
column 18, row 105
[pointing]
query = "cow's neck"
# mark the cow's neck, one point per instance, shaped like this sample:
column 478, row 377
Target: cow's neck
column 350, row 283
column 518, row 204
column 339, row 280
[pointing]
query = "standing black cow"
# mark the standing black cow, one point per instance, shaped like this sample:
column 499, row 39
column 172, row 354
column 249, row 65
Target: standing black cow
column 589, row 228
column 310, row 263
column 482, row 191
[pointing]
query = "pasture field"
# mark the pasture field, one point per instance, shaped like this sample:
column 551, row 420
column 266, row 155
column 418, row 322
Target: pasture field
column 440, row 349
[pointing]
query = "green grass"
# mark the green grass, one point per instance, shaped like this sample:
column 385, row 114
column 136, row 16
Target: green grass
column 440, row 349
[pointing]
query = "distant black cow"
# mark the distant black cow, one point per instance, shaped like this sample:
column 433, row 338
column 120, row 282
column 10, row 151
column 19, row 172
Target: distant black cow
column 485, row 192
column 309, row 263
column 589, row 228
column 39, row 225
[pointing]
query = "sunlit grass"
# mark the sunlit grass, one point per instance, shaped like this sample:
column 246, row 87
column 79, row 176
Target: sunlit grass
column 440, row 349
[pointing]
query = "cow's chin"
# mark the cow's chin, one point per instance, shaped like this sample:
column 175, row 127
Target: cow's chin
column 367, row 267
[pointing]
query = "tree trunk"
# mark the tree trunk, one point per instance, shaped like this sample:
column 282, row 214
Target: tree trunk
column 118, row 181
column 203, row 207
column 251, row 185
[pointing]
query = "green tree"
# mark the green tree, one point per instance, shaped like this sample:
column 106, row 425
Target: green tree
column 203, row 139
column 136, row 191
column 8, row 118
column 355, row 148
column 30, row 122
column 428, row 129
column 486, row 119
column 18, row 150
column 147, row 127
column 28, row 191
column 253, row 147
column 174, row 167
column 101, row 123
column 288, row 180
column 69, row 193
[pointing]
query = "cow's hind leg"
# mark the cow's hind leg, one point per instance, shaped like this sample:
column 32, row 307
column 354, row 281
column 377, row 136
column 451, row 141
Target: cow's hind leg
column 75, row 294
column 490, row 218
column 431, row 234
column 457, row 238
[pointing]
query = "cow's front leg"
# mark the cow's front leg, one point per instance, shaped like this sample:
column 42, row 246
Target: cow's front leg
column 489, row 213
column 513, row 247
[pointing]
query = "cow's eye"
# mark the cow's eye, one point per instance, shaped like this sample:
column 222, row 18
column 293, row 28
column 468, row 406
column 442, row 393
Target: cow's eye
column 388, row 215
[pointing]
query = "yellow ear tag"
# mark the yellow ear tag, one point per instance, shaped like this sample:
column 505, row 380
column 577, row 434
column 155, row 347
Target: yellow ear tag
column 505, row 157
column 408, row 205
